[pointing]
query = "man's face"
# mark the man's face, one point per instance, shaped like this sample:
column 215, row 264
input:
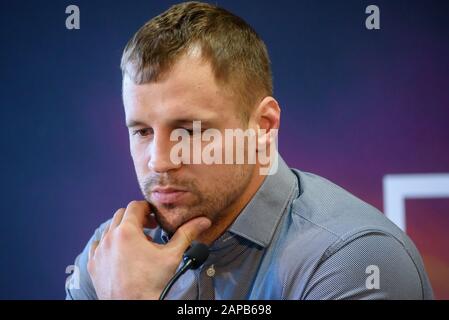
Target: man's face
column 179, row 193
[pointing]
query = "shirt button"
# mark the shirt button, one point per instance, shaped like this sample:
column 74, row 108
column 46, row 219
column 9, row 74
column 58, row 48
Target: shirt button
column 210, row 271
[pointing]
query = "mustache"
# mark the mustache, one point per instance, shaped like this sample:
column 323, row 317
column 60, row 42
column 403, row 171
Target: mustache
column 163, row 180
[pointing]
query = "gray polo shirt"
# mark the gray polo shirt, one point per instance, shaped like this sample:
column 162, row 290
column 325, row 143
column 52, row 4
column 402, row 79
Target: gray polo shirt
column 300, row 237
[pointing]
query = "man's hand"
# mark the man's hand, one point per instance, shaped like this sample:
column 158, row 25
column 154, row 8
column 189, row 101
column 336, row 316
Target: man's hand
column 125, row 264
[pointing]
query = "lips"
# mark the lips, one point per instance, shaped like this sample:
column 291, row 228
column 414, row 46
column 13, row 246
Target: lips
column 168, row 194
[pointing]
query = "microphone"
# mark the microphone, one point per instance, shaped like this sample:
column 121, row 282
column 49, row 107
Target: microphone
column 193, row 258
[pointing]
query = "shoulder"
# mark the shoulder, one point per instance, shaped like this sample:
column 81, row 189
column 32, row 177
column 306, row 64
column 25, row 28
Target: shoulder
column 331, row 234
column 326, row 209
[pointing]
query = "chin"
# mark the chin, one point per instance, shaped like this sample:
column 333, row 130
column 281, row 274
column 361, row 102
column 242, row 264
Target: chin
column 170, row 220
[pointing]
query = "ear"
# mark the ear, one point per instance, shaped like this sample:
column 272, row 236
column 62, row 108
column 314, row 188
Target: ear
column 266, row 120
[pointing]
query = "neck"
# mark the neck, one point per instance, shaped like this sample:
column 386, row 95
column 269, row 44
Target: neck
column 233, row 211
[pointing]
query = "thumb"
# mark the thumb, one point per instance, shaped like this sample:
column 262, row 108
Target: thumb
column 188, row 232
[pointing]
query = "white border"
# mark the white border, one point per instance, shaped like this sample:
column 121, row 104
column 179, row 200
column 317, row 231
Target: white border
column 398, row 187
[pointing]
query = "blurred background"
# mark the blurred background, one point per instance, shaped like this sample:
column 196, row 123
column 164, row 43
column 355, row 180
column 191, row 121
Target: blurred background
column 357, row 105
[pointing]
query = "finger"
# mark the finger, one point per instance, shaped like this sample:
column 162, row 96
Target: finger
column 106, row 229
column 188, row 232
column 118, row 216
column 92, row 248
column 138, row 213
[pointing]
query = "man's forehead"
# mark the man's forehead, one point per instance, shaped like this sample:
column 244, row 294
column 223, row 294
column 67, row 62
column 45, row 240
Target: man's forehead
column 187, row 92
column 189, row 69
column 196, row 89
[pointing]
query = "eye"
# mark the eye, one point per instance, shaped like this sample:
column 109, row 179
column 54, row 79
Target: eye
column 143, row 132
column 192, row 132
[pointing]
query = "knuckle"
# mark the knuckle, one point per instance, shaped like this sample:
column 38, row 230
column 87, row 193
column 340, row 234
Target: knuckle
column 123, row 232
column 118, row 212
column 133, row 204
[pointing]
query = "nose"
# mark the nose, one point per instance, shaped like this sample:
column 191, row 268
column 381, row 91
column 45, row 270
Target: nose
column 160, row 149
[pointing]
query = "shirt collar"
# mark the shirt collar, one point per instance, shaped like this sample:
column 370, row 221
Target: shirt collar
column 258, row 220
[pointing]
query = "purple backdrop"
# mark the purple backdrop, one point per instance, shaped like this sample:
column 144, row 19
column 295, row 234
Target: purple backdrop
column 356, row 105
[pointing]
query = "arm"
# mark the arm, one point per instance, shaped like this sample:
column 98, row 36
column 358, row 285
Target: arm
column 373, row 266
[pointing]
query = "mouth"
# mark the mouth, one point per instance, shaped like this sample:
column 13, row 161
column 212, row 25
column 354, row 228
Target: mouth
column 166, row 195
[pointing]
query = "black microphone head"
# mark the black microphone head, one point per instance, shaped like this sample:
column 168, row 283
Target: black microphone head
column 198, row 253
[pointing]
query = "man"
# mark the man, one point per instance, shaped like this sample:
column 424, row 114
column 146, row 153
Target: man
column 283, row 235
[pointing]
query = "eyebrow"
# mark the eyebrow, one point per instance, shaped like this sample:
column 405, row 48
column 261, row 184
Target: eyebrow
column 183, row 122
column 135, row 123
column 175, row 123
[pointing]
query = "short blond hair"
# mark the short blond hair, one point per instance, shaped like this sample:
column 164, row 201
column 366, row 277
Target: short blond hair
column 238, row 56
